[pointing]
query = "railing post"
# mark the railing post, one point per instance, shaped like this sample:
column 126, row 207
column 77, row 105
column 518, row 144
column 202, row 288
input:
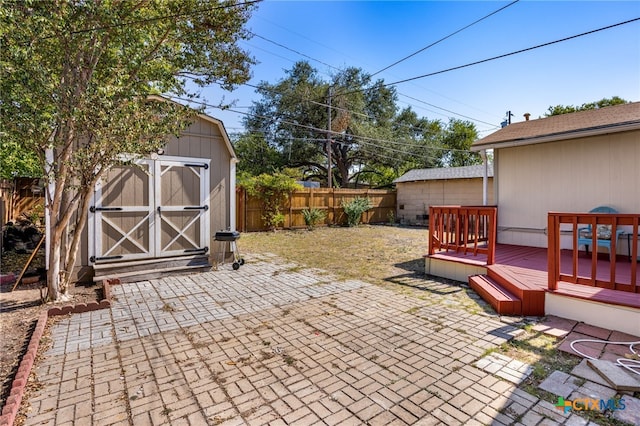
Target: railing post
column 634, row 252
column 432, row 230
column 553, row 267
column 493, row 236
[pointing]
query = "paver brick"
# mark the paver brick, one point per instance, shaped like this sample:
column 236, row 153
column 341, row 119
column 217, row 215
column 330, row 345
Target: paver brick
column 267, row 344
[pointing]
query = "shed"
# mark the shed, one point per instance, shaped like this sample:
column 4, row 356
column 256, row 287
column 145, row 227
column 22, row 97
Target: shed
column 159, row 215
column 420, row 188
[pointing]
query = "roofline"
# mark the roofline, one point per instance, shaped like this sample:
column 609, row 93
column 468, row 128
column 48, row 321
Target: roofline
column 555, row 137
column 479, row 176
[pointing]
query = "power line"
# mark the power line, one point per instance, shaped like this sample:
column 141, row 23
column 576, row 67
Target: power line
column 367, row 115
column 293, row 50
column 313, row 128
column 512, row 53
column 444, row 38
column 338, row 69
column 443, row 109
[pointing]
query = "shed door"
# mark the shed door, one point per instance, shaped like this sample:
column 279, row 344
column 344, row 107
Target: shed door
column 158, row 208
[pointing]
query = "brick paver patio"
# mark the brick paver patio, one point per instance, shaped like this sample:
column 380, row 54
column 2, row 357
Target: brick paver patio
column 273, row 343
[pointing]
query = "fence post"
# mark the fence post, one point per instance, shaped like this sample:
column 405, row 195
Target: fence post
column 368, row 212
column 290, row 211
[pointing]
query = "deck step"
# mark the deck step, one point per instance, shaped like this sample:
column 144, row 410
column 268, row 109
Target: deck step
column 524, row 283
column 503, row 301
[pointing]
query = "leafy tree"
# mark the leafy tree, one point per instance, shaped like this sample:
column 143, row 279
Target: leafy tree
column 566, row 109
column 458, row 137
column 14, row 161
column 256, row 155
column 76, row 80
column 371, row 139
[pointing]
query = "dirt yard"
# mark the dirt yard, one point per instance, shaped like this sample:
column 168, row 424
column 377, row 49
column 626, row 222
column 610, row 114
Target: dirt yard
column 19, row 311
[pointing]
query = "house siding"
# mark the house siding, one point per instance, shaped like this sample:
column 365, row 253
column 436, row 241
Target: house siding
column 568, row 176
column 414, row 198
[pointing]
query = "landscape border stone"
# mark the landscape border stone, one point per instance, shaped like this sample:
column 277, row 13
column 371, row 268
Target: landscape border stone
column 19, row 384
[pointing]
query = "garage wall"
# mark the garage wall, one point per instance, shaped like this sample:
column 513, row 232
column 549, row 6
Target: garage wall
column 414, row 198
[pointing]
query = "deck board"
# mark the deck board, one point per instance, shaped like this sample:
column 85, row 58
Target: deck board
column 535, row 259
column 525, row 269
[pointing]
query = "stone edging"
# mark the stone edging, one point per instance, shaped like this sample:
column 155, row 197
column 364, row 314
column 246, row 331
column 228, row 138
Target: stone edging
column 12, row 404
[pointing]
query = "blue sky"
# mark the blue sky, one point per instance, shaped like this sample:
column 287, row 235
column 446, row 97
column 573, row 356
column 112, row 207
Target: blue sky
column 374, row 34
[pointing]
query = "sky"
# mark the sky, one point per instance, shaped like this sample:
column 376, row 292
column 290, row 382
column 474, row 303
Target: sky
column 372, row 35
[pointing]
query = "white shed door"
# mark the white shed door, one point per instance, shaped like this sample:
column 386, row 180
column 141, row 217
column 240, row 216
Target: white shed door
column 158, row 208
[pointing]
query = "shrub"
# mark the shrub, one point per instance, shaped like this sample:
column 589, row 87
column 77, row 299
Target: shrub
column 272, row 189
column 354, row 209
column 312, row 217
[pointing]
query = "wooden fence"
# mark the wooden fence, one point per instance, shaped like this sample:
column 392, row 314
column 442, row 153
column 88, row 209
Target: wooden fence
column 249, row 209
column 18, row 196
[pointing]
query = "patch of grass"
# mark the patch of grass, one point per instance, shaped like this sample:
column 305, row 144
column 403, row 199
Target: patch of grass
column 413, row 310
column 366, row 252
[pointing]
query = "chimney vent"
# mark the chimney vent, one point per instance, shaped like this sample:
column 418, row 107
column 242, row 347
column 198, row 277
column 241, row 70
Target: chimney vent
column 526, row 116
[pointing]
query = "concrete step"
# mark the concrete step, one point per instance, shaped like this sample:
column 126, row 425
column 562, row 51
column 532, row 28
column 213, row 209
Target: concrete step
column 148, row 274
column 503, row 301
column 138, row 270
column 157, row 262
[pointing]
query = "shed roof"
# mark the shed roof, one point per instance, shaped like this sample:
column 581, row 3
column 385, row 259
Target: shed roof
column 466, row 172
column 612, row 119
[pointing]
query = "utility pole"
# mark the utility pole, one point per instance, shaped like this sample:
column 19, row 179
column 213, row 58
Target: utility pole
column 329, row 183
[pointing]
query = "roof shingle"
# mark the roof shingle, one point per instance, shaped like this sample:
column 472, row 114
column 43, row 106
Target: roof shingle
column 466, row 172
column 609, row 120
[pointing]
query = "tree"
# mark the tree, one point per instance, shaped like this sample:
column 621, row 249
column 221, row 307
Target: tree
column 77, row 79
column 369, row 136
column 256, row 155
column 15, row 162
column 458, row 137
column 566, row 109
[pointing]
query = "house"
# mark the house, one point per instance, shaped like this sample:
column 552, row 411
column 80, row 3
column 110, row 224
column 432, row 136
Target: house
column 570, row 163
column 548, row 174
column 420, row 188
column 159, row 215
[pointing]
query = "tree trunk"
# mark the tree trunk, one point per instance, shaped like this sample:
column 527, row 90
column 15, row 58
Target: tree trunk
column 53, row 274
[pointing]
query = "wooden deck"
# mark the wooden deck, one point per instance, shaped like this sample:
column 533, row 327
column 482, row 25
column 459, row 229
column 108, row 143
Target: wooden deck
column 516, row 283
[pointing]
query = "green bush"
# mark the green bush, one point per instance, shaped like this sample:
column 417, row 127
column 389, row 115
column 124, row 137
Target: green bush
column 354, row 209
column 272, row 190
column 312, row 217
